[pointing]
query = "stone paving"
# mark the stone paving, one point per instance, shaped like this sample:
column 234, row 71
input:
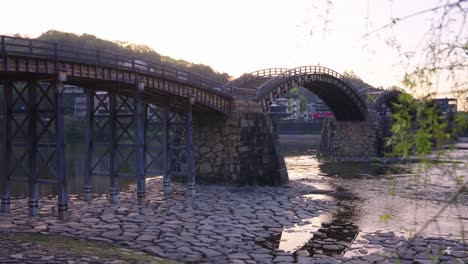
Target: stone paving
column 221, row 224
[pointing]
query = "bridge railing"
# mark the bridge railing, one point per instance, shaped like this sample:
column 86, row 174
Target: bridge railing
column 246, row 77
column 264, row 89
column 50, row 50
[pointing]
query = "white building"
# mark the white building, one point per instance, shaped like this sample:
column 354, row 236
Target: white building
column 81, row 105
column 293, row 106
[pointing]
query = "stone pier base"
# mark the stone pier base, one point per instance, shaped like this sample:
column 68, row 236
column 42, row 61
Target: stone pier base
column 243, row 148
column 350, row 139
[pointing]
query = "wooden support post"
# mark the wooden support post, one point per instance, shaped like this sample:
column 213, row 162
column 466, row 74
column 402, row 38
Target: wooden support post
column 113, row 148
column 165, row 148
column 189, row 147
column 60, row 147
column 32, row 149
column 139, row 143
column 7, row 146
column 88, row 188
column 146, row 108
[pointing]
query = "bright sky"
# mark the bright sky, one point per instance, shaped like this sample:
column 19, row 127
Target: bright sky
column 238, row 36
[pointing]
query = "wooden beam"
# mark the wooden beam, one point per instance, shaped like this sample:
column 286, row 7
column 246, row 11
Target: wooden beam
column 139, row 143
column 60, row 148
column 7, row 146
column 87, row 189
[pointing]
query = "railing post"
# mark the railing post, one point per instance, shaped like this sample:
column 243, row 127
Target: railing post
column 98, row 56
column 55, row 51
column 30, row 46
column 139, row 143
column 3, row 45
column 133, row 63
column 60, row 147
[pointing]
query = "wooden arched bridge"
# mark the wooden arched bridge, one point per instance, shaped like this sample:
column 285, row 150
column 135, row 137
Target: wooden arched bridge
column 333, row 88
column 139, row 115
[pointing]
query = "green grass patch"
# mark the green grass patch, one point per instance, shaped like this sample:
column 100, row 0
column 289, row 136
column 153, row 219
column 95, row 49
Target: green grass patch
column 79, row 247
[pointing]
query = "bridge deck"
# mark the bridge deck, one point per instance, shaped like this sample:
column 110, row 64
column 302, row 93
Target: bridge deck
column 103, row 70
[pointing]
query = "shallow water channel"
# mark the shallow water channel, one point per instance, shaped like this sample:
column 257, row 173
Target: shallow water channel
column 373, row 197
column 369, row 197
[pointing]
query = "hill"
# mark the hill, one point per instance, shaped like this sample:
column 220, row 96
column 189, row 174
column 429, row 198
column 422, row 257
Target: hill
column 131, row 50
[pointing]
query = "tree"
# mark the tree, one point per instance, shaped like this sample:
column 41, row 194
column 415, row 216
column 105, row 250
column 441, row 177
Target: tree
column 419, row 129
column 143, row 52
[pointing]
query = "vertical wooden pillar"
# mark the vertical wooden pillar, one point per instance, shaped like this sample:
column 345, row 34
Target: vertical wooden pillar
column 33, row 188
column 113, row 148
column 88, row 189
column 165, row 148
column 146, row 142
column 189, row 147
column 7, row 146
column 60, row 147
column 139, row 143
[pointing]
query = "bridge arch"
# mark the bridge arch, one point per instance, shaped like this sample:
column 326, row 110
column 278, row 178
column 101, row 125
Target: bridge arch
column 387, row 98
column 333, row 88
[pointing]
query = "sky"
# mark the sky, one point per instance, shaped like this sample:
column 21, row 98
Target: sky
column 240, row 36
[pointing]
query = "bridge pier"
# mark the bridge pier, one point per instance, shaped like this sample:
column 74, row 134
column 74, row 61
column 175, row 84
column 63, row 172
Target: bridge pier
column 62, row 183
column 33, row 125
column 110, row 120
column 139, row 143
column 7, row 146
column 165, row 147
column 189, row 147
column 113, row 142
column 90, row 123
column 243, row 148
column 350, row 140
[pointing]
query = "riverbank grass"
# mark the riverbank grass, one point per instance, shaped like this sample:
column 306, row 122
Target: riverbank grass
column 74, row 247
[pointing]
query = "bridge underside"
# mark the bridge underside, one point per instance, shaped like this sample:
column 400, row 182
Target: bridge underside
column 125, row 136
column 118, row 80
column 342, row 106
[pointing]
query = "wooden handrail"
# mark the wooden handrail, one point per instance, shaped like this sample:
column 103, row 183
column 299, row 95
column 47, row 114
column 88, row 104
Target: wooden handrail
column 38, row 48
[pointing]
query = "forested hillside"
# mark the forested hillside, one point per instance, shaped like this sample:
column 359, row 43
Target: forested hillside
column 131, row 50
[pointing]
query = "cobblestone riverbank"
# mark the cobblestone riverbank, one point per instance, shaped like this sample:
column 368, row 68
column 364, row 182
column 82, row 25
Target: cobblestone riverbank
column 221, row 224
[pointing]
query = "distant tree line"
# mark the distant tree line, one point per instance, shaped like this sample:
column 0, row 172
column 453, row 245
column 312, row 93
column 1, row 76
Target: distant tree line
column 87, row 41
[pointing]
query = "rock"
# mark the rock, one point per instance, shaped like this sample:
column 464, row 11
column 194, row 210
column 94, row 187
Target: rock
column 17, row 256
column 206, row 168
column 288, row 259
column 47, row 258
column 145, row 238
column 239, row 256
column 459, row 254
column 208, row 252
column 373, row 258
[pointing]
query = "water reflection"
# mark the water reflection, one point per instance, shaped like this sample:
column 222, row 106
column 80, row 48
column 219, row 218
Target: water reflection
column 293, row 238
column 75, row 169
column 362, row 193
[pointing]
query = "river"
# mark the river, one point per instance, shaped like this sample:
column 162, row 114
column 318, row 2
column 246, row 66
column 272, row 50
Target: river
column 374, row 197
column 370, row 197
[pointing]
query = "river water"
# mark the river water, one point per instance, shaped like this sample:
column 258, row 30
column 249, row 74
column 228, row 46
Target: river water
column 369, row 197
column 374, row 197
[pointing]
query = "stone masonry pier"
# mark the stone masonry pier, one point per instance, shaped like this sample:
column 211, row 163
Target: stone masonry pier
column 242, row 148
column 351, row 139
